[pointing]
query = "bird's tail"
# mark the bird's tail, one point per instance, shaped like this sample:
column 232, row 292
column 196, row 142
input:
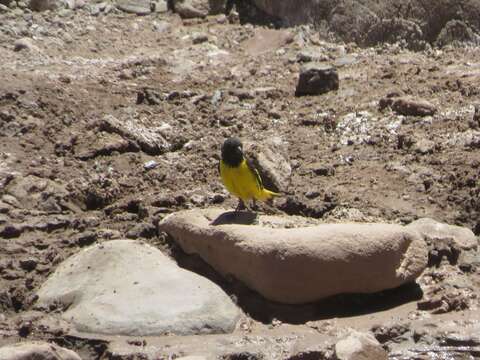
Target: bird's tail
column 267, row 194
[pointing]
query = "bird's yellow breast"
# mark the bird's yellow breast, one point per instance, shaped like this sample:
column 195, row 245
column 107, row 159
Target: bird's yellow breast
column 241, row 181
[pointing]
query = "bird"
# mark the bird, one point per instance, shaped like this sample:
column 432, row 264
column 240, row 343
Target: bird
column 239, row 175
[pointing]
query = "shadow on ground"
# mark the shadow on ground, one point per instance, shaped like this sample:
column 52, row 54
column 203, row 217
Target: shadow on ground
column 263, row 310
column 236, row 217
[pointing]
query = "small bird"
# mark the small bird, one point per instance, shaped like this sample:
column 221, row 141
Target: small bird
column 239, row 176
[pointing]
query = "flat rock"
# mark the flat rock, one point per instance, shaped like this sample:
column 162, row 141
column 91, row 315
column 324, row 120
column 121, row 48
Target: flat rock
column 408, row 106
column 148, row 139
column 125, row 287
column 141, row 7
column 36, row 351
column 316, row 79
column 464, row 238
column 33, row 192
column 303, row 264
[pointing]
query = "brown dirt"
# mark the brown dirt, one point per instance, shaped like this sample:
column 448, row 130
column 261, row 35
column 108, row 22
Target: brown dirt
column 68, row 177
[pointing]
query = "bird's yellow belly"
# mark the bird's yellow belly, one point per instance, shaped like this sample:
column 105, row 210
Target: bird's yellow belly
column 240, row 181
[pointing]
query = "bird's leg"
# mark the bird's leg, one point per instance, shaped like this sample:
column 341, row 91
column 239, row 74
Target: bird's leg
column 241, row 205
column 254, row 206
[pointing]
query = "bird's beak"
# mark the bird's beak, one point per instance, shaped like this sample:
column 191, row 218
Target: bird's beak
column 240, row 149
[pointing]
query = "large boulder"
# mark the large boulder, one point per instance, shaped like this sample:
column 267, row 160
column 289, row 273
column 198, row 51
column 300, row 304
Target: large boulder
column 36, row 351
column 126, row 287
column 304, row 264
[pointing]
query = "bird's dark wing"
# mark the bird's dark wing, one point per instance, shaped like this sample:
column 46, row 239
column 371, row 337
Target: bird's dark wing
column 255, row 172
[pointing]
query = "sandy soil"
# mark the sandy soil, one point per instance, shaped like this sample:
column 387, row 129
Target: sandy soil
column 85, row 106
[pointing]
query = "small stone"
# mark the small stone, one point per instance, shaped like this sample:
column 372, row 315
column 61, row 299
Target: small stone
column 187, row 10
column 408, row 106
column 150, row 165
column 199, row 38
column 28, row 264
column 359, row 346
column 424, row 147
column 85, row 238
column 197, row 199
column 316, row 79
column 320, row 169
column 24, row 44
column 11, row 231
column 142, row 230
column 309, row 56
column 162, row 26
column 139, row 7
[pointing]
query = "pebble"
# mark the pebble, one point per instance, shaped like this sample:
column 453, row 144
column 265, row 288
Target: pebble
column 23, row 44
column 199, row 38
column 150, row 165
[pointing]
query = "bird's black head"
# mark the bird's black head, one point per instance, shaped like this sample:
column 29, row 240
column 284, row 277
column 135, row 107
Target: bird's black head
column 232, row 151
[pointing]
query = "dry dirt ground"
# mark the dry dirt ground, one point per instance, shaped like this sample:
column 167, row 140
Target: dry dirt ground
column 90, row 101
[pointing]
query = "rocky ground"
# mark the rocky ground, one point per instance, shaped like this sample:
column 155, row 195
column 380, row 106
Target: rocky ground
column 109, row 121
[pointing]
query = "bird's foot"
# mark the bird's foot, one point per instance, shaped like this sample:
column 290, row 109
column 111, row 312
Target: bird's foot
column 241, row 206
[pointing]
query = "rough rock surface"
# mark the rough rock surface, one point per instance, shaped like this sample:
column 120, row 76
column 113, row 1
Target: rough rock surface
column 271, row 160
column 288, row 265
column 360, row 346
column 36, row 351
column 463, row 237
column 316, row 79
column 130, row 288
column 408, row 106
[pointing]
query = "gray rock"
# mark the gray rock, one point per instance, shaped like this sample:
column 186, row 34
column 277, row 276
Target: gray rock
column 424, row 146
column 464, row 238
column 199, row 38
column 310, row 55
column 74, row 4
column 188, row 9
column 360, row 346
column 287, row 264
column 24, row 44
column 149, row 140
column 162, row 26
column 271, row 161
column 316, row 79
column 408, row 106
column 141, row 7
column 36, row 351
column 32, row 192
column 127, row 287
